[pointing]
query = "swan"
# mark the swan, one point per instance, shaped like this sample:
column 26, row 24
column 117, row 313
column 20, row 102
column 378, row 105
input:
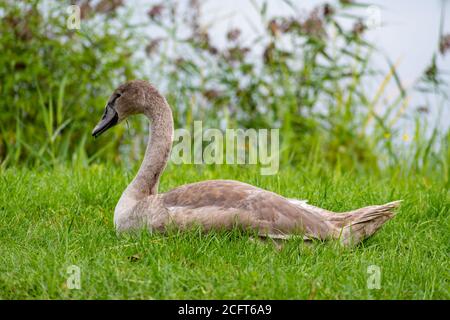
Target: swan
column 216, row 204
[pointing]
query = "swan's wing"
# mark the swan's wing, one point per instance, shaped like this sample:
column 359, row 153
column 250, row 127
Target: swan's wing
column 218, row 193
column 222, row 202
column 298, row 202
column 217, row 218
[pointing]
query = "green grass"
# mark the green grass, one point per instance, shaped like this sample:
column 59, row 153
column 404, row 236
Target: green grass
column 51, row 219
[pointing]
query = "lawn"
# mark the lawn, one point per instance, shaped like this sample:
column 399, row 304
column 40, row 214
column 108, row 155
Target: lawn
column 52, row 219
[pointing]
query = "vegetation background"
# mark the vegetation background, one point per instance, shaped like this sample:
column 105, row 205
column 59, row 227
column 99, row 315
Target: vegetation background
column 311, row 81
column 314, row 80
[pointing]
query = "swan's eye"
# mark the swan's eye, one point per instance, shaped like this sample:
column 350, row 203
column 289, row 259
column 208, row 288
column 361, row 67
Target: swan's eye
column 113, row 101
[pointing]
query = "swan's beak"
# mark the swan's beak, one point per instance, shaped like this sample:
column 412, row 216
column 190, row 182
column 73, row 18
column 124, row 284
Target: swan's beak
column 109, row 119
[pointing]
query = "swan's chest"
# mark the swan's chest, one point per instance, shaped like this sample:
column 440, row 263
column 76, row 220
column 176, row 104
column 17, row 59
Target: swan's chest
column 132, row 214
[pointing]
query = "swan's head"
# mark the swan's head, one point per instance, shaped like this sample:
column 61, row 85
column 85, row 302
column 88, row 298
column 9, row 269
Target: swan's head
column 130, row 98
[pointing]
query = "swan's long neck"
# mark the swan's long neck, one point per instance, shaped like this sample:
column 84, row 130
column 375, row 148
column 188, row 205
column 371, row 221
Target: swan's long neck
column 158, row 150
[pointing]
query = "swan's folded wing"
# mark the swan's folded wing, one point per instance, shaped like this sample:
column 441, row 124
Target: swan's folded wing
column 218, row 193
column 223, row 203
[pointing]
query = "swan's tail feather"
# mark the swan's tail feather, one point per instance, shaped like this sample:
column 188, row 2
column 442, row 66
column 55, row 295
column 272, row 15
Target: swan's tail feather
column 357, row 225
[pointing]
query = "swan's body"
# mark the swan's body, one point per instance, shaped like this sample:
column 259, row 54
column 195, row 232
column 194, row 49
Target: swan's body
column 216, row 204
column 221, row 204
